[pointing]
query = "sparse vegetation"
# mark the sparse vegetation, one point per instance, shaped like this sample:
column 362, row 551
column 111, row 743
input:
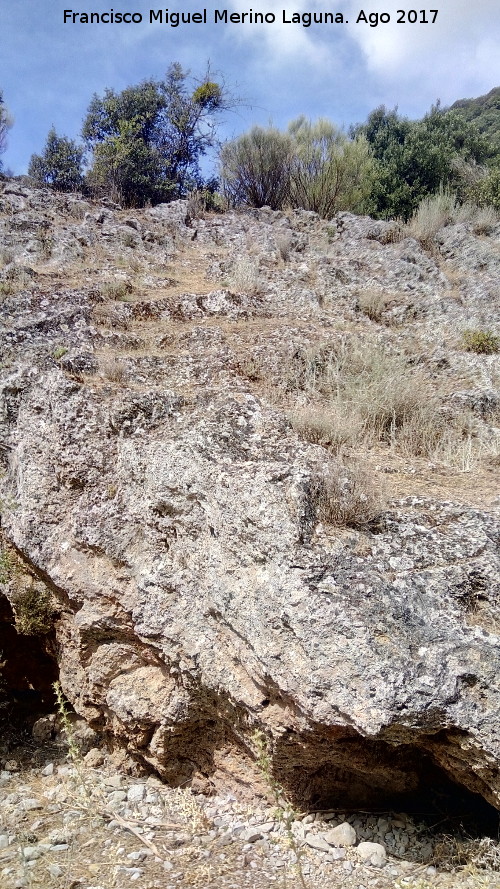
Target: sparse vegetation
column 245, row 276
column 34, row 610
column 118, row 290
column 482, row 342
column 345, row 497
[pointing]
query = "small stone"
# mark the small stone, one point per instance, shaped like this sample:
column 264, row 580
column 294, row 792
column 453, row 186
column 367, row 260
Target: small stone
column 31, row 853
column 113, row 781
column 316, row 841
column 48, row 770
column 342, row 835
column 250, row 835
column 4, row 841
column 372, row 853
column 94, row 758
column 43, row 729
column 11, row 765
column 55, row 870
column 135, row 793
column 117, row 796
column 29, row 805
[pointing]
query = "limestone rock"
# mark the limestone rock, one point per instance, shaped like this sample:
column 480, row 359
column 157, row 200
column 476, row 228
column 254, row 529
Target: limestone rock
column 158, row 499
column 341, row 835
column 372, row 853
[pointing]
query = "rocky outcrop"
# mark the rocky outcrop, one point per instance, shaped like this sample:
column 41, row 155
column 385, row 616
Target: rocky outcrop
column 164, row 501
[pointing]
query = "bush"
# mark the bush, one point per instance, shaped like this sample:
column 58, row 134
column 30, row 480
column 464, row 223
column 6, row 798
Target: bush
column 344, row 497
column 255, row 168
column 313, row 166
column 60, row 166
column 432, row 214
column 329, row 172
column 33, row 611
column 483, row 342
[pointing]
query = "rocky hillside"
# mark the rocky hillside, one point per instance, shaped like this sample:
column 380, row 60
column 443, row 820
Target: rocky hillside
column 251, row 491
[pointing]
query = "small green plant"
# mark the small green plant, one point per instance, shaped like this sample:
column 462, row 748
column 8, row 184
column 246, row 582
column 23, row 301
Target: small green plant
column 483, row 342
column 284, row 811
column 33, row 611
column 6, row 566
column 59, row 352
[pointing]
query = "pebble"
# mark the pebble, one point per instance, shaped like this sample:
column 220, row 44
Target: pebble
column 342, row 835
column 316, row 841
column 372, row 853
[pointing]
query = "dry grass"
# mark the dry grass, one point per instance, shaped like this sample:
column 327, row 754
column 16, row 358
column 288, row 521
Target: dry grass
column 245, row 277
column 113, row 370
column 441, row 209
column 117, row 290
column 345, row 497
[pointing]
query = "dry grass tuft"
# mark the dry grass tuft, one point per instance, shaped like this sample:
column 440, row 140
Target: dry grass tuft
column 245, row 277
column 346, row 498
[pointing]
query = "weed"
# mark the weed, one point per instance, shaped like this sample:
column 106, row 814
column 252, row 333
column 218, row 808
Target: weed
column 245, row 276
column 284, row 245
column 284, row 812
column 118, row 290
column 345, row 498
column 34, row 611
column 372, row 303
column 113, row 370
column 59, row 352
column 483, row 342
column 6, row 566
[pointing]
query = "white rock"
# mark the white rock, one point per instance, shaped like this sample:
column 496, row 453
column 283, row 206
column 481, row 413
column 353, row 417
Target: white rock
column 342, row 835
column 372, row 853
column 316, row 841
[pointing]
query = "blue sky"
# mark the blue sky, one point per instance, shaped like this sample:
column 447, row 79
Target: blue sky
column 49, row 70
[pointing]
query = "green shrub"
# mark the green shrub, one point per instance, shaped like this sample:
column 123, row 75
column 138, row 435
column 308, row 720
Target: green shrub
column 483, row 342
column 255, row 168
column 33, row 611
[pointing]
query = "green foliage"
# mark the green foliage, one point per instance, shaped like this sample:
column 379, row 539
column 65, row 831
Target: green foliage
column 147, row 141
column 416, row 158
column 256, row 168
column 34, row 611
column 487, row 191
column 60, row 165
column 484, row 112
column 5, row 125
column 6, row 566
column 483, row 342
column 330, row 172
column 313, row 165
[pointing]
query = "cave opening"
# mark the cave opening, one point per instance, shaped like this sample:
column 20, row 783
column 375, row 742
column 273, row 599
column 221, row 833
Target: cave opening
column 360, row 774
column 28, row 671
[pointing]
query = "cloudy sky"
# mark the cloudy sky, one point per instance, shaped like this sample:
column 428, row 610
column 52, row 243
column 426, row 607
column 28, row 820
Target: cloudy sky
column 49, row 70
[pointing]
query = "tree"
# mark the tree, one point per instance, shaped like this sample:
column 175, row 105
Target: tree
column 416, row 158
column 256, row 168
column 147, row 141
column 330, row 172
column 60, row 165
column 313, row 165
column 5, row 125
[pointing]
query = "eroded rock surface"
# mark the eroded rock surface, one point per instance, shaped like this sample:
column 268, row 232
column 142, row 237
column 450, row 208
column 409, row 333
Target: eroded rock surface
column 167, row 505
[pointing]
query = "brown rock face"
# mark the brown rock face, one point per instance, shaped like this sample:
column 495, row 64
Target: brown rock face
column 155, row 487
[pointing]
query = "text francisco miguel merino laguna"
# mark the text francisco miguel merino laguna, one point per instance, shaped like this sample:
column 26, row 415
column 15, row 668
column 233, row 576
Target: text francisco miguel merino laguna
column 217, row 16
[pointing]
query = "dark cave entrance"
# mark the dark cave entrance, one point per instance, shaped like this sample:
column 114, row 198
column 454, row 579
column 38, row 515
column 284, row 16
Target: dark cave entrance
column 28, row 671
column 352, row 774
